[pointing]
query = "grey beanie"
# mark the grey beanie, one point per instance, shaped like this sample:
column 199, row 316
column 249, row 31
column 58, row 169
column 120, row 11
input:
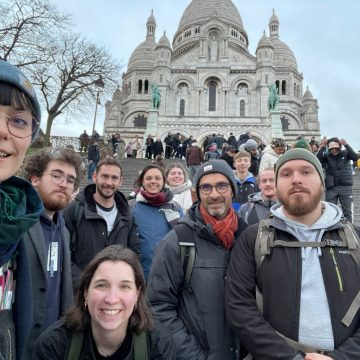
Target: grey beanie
column 299, row 154
column 12, row 75
column 215, row 166
column 251, row 144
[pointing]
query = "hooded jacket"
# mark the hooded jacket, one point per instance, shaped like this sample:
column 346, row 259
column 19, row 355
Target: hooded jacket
column 245, row 188
column 194, row 316
column 287, row 278
column 88, row 230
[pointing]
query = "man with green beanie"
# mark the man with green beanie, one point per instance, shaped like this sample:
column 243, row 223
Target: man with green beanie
column 302, row 263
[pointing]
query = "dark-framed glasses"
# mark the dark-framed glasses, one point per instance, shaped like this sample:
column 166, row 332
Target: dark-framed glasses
column 21, row 124
column 58, row 179
column 221, row 188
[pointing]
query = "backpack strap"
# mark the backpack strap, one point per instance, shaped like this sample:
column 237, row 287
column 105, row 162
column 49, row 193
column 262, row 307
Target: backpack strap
column 187, row 252
column 76, row 221
column 77, row 339
column 141, row 346
column 264, row 237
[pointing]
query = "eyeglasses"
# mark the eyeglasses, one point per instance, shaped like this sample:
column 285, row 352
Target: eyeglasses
column 221, row 188
column 21, row 124
column 58, row 179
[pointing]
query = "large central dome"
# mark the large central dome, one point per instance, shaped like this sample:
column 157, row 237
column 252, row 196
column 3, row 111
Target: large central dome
column 199, row 11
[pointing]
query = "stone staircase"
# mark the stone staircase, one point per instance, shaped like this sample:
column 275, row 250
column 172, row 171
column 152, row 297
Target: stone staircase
column 132, row 167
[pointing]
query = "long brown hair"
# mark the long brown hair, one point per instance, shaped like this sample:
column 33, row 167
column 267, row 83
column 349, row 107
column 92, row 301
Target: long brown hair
column 78, row 317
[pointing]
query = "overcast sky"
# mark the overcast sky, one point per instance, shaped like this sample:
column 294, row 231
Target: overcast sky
column 324, row 36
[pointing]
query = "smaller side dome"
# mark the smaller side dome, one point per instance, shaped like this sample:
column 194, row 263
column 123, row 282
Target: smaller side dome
column 264, row 42
column 308, row 95
column 164, row 42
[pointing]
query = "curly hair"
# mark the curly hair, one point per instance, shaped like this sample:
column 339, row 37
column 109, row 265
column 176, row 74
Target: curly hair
column 78, row 318
column 36, row 163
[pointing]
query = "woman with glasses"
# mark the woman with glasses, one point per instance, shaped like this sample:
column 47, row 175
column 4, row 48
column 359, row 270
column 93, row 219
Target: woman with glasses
column 155, row 213
column 20, row 207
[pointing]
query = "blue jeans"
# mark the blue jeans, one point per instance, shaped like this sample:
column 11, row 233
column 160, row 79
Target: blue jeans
column 91, row 169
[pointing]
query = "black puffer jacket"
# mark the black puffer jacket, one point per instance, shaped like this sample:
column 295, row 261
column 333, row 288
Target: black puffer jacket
column 279, row 281
column 88, row 232
column 338, row 167
column 195, row 316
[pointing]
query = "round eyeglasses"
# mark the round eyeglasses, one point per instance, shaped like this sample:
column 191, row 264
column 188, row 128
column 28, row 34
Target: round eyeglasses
column 21, row 124
column 58, row 179
column 221, row 188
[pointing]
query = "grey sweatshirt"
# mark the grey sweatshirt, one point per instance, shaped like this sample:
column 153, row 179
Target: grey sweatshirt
column 315, row 327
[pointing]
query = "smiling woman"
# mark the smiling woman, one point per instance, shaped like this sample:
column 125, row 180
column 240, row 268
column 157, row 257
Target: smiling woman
column 20, row 206
column 154, row 210
column 110, row 316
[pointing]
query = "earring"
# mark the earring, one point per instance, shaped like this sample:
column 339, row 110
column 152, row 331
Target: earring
column 85, row 304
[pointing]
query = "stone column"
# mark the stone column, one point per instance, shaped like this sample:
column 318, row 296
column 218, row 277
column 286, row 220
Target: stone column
column 152, row 124
column 276, row 126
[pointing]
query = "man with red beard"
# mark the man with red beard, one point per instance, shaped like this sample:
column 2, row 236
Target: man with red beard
column 290, row 302
column 54, row 173
column 192, row 307
column 100, row 216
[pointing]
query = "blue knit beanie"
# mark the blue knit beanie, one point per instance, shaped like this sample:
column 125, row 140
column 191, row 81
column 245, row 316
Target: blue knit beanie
column 12, row 75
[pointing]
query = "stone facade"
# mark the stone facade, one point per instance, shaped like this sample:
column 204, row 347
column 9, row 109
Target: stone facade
column 209, row 81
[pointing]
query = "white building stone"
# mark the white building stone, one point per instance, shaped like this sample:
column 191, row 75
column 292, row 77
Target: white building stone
column 210, row 82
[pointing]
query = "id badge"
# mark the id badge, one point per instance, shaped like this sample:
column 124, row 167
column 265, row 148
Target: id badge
column 53, row 258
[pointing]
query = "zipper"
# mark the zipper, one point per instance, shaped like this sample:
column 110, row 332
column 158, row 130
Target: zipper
column 337, row 269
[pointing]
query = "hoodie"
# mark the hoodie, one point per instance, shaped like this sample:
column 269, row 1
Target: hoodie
column 315, row 328
column 245, row 188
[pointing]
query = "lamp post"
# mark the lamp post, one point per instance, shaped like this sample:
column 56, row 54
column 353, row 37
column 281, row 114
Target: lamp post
column 100, row 84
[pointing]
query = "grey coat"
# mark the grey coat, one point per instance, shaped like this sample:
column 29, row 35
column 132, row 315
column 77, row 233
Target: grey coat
column 194, row 316
column 36, row 251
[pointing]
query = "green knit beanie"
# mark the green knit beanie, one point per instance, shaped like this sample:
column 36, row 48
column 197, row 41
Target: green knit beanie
column 299, row 154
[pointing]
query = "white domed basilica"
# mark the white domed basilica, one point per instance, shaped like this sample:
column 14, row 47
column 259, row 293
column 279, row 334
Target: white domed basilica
column 210, row 83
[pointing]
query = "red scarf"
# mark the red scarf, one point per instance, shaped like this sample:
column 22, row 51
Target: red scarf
column 225, row 228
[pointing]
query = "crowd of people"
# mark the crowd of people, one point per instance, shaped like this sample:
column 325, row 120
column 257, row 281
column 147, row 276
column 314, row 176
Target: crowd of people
column 235, row 256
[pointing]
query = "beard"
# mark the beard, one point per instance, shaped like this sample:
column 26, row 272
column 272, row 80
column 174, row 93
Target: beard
column 297, row 205
column 220, row 212
column 105, row 195
column 52, row 202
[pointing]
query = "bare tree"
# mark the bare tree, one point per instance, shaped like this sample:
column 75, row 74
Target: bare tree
column 69, row 79
column 27, row 29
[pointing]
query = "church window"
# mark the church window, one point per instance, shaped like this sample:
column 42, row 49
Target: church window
column 298, row 92
column 146, row 87
column 161, row 78
column 242, row 108
column 129, row 88
column 242, row 89
column 140, row 86
column 266, row 79
column 277, row 83
column 212, row 96
column 265, row 54
column 182, row 107
column 283, row 87
column 294, row 89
